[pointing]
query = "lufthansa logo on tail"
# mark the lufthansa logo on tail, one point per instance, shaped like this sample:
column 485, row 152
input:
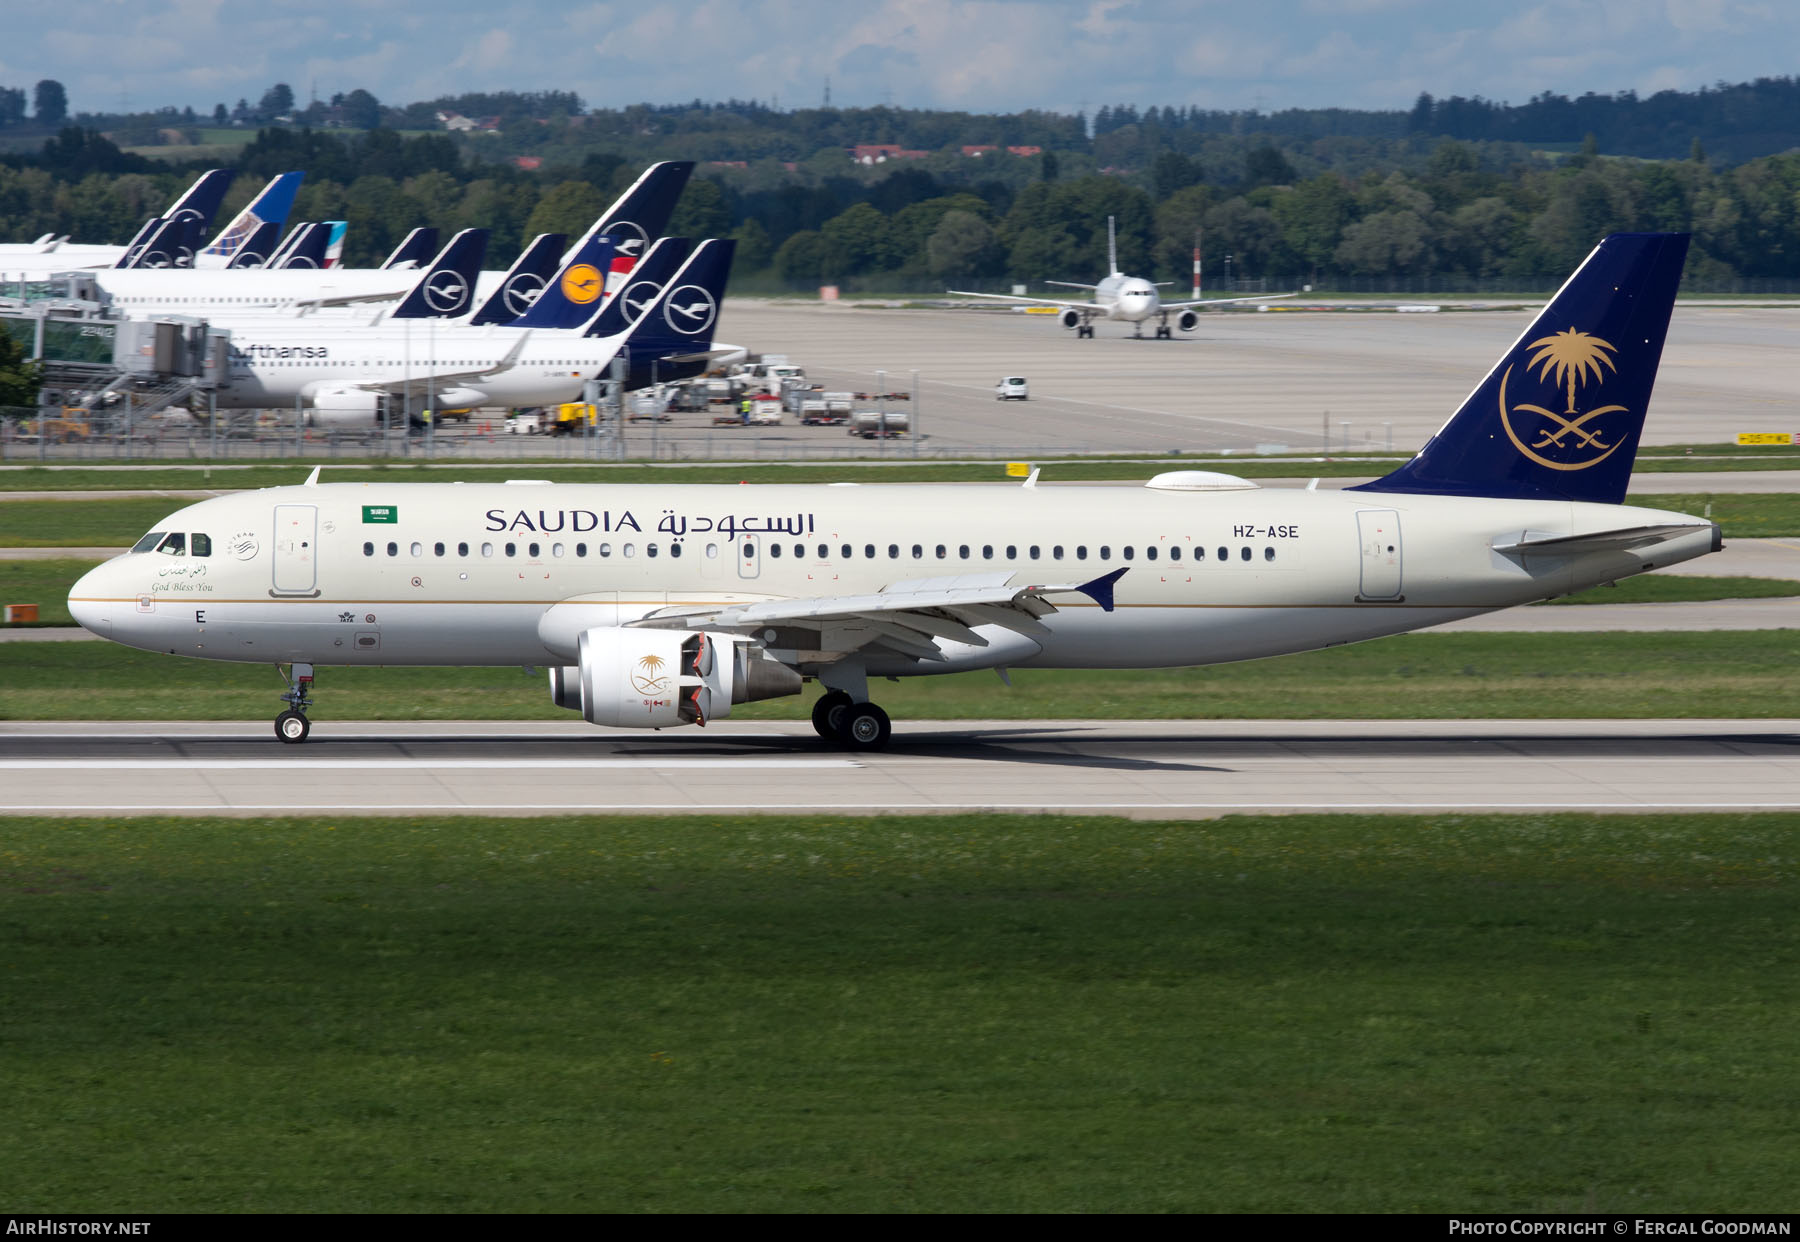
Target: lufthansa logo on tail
column 521, row 291
column 582, row 283
column 638, row 296
column 629, row 238
column 690, row 310
column 1574, row 439
column 446, row 291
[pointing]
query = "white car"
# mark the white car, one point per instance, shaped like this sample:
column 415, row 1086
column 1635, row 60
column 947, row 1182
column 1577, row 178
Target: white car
column 1012, row 388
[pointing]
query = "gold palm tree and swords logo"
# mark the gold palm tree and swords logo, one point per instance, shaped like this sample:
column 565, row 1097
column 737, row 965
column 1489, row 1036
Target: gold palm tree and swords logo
column 647, row 676
column 1570, row 359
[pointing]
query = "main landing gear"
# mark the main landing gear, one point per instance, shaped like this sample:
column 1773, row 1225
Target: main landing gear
column 838, row 718
column 292, row 725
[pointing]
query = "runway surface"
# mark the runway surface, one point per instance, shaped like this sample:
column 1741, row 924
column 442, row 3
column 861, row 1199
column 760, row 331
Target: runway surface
column 1149, row 769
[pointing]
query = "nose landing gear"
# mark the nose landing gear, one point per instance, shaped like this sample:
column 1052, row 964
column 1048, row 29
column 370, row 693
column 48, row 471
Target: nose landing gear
column 292, row 726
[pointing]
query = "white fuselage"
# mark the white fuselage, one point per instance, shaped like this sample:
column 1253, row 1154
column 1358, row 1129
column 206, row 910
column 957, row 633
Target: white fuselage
column 1129, row 299
column 493, row 574
column 240, row 293
column 275, row 364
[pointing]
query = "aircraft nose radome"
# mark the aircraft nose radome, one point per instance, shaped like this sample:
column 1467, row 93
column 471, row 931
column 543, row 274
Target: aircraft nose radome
column 88, row 605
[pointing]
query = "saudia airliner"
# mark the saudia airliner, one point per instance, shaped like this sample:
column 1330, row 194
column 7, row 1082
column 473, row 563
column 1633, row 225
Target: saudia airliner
column 663, row 605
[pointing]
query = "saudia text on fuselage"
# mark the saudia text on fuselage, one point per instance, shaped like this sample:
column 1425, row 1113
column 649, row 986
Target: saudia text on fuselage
column 582, row 521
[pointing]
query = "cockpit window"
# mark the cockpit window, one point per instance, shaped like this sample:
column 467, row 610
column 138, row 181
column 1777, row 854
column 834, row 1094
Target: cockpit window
column 201, row 545
column 174, row 544
column 148, row 541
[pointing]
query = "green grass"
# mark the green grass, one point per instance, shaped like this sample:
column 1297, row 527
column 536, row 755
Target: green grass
column 44, row 583
column 80, row 523
column 1412, row 676
column 977, row 1013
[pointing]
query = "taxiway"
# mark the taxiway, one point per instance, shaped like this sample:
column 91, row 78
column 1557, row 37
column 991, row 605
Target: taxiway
column 1155, row 769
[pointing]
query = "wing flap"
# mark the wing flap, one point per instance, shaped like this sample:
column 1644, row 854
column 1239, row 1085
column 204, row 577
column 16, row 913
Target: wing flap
column 905, row 615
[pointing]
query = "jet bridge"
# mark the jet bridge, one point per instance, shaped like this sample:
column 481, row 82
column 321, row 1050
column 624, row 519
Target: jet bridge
column 95, row 362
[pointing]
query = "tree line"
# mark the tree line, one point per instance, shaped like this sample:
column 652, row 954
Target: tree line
column 1405, row 210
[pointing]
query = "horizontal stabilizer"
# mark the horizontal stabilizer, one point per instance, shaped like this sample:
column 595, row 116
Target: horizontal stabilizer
column 1100, row 590
column 1625, row 539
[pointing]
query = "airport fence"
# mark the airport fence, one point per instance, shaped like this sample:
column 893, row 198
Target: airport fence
column 174, row 439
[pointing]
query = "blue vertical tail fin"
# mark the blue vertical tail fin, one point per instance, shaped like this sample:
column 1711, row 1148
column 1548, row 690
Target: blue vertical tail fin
column 672, row 337
column 640, row 215
column 574, row 296
column 202, row 199
column 306, row 248
column 254, row 250
column 447, row 289
column 164, row 247
column 647, row 278
column 414, row 250
column 269, row 207
column 1560, row 415
column 524, row 281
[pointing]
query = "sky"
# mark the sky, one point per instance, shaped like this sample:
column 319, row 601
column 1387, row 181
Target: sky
column 973, row 55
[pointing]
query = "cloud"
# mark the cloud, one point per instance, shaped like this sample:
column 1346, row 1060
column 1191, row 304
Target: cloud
column 983, row 55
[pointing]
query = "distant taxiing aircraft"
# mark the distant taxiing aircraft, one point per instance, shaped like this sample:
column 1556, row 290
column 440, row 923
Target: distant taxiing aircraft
column 663, row 604
column 1125, row 299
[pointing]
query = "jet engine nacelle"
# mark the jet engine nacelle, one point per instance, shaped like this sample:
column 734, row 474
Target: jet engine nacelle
column 1187, row 321
column 656, row 679
column 1070, row 319
column 344, row 407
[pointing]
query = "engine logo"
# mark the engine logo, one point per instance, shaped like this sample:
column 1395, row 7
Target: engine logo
column 648, row 677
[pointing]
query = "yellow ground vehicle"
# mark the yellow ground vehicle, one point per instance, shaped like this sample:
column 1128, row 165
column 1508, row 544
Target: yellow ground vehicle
column 572, row 418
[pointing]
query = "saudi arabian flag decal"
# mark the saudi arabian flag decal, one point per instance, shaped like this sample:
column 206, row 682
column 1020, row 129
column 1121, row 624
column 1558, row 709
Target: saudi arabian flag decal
column 380, row 514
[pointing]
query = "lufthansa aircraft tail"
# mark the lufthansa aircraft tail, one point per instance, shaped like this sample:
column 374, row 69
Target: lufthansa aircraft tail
column 304, row 247
column 447, row 289
column 645, row 282
column 573, row 298
column 640, row 215
column 1560, row 415
column 414, row 249
column 269, row 207
column 671, row 338
column 523, row 281
column 255, row 250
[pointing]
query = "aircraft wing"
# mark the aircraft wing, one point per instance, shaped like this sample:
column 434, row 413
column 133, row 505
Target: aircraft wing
column 1261, row 297
column 304, row 305
column 904, row 616
column 445, row 379
column 1008, row 297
